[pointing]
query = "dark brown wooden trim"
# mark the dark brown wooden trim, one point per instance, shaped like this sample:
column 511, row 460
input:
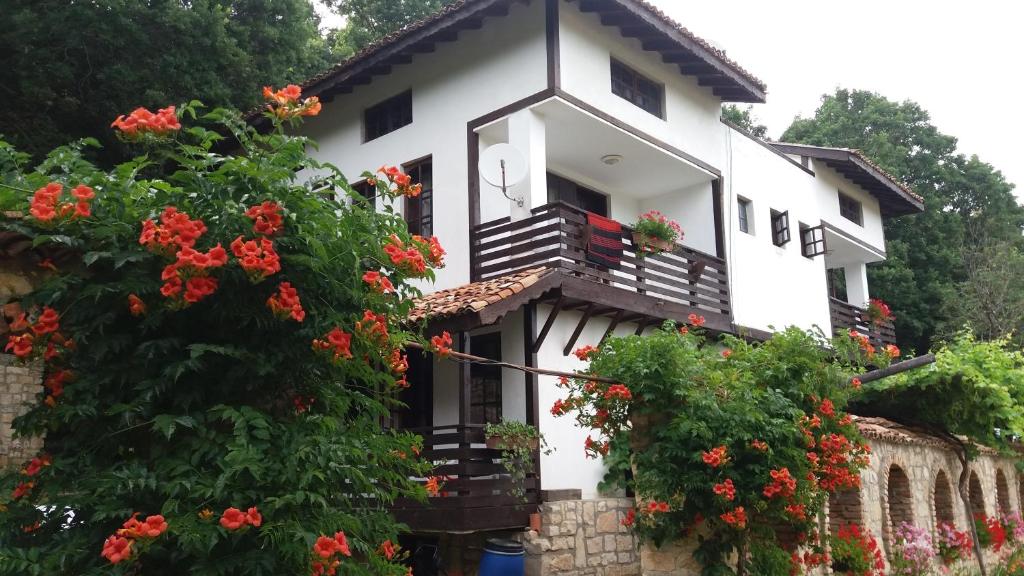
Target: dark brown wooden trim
column 555, row 309
column 532, row 389
column 553, row 43
column 767, row 146
column 846, row 235
column 516, row 106
column 641, row 326
column 635, row 132
column 579, row 329
column 465, row 382
column 719, row 215
column 614, row 324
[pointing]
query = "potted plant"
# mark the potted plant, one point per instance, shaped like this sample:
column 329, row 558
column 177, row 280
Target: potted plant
column 855, row 552
column 877, row 312
column 654, row 233
column 518, row 441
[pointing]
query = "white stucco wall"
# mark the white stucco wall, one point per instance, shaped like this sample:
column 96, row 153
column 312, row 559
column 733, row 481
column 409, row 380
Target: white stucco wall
column 693, row 209
column 484, row 70
column 828, row 183
column 772, row 286
column 692, row 112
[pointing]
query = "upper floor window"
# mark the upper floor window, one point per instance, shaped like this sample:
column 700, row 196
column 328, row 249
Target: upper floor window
column 745, row 212
column 388, row 116
column 851, row 209
column 780, row 228
column 419, row 211
column 364, row 189
column 812, row 240
column 638, row 89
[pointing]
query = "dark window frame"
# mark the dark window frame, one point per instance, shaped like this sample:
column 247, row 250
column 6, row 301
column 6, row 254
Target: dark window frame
column 744, row 212
column 562, row 189
column 637, row 89
column 780, row 228
column 485, row 380
column 364, row 189
column 387, row 116
column 851, row 209
column 418, row 220
column 812, row 240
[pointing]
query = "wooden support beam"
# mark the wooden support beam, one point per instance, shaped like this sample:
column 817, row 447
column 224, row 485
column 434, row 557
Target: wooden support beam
column 465, row 381
column 641, row 326
column 897, row 368
column 611, row 327
column 539, row 341
column 579, row 330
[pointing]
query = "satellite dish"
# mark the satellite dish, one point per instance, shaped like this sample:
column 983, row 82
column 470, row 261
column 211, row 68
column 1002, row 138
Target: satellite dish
column 502, row 165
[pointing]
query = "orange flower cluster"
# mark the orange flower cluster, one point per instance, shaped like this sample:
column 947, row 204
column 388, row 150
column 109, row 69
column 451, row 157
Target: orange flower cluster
column 431, row 249
column 398, row 363
column 373, row 327
column 716, row 457
column 285, row 303
column 22, row 489
column 387, row 549
column 433, row 486
column 44, row 333
column 286, row 103
column 266, row 218
column 175, row 231
column 118, row 547
column 782, row 484
column 54, row 384
column 141, row 122
column 441, row 345
column 403, row 182
column 585, row 352
column 629, row 519
column 696, row 320
column 593, row 449
column 378, row 282
column 725, row 489
column 654, row 506
column 338, row 341
column 191, row 271
column 856, row 383
column 235, row 519
column 326, row 553
column 892, row 351
column 736, row 518
column 408, row 259
column 46, row 206
column 618, row 391
column 726, row 353
column 257, row 258
column 759, row 445
column 797, row 512
column 135, row 305
column 36, row 465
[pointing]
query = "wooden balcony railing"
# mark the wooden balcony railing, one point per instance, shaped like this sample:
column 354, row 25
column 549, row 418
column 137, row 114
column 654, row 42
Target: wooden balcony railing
column 555, row 236
column 846, row 317
column 475, row 488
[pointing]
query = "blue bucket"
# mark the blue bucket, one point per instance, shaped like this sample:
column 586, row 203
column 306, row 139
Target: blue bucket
column 503, row 558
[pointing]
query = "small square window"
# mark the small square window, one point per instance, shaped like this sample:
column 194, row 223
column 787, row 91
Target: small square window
column 638, row 89
column 812, row 240
column 745, row 212
column 364, row 189
column 780, row 228
column 387, row 116
column 851, row 209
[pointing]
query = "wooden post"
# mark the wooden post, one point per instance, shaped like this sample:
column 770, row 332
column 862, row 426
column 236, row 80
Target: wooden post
column 464, row 380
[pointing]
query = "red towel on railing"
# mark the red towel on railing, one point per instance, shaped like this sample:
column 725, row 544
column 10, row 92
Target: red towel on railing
column 604, row 247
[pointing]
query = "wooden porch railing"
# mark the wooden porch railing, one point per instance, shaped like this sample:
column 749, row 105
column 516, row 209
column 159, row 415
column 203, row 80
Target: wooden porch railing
column 846, row 317
column 474, row 489
column 555, row 236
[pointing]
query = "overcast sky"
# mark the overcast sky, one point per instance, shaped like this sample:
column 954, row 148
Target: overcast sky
column 962, row 61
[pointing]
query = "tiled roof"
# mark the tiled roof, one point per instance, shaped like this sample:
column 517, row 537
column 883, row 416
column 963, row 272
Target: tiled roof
column 890, row 431
column 863, row 158
column 458, row 5
column 474, row 297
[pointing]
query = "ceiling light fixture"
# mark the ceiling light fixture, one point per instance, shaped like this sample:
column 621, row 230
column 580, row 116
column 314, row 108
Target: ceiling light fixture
column 611, row 159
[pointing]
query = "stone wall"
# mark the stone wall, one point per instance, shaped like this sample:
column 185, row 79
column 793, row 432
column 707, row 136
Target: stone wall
column 582, row 538
column 19, row 387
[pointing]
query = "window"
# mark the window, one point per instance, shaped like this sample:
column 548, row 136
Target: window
column 780, row 228
column 850, row 209
column 565, row 190
column 419, row 211
column 388, row 116
column 364, row 189
column 631, row 85
column 744, row 210
column 812, row 240
column 323, row 189
column 485, row 381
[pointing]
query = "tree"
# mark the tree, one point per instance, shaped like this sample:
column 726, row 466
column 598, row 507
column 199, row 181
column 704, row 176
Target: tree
column 927, row 253
column 975, row 391
column 68, row 68
column 220, row 350
column 369, row 20
column 745, row 119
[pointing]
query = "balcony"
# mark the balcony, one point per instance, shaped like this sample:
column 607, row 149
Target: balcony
column 846, row 317
column 669, row 285
column 475, row 488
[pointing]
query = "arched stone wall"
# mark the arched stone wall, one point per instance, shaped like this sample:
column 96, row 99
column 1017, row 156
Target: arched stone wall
column 845, row 507
column 898, row 505
column 1002, row 493
column 942, row 499
column 976, row 495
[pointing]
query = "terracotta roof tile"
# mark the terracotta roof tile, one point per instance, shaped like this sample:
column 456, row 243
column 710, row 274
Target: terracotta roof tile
column 474, row 297
column 890, row 431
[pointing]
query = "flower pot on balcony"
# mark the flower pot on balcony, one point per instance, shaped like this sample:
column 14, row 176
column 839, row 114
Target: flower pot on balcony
column 501, row 443
column 650, row 244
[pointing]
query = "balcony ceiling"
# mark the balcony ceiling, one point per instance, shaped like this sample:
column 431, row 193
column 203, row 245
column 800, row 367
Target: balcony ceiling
column 576, row 142
column 842, row 250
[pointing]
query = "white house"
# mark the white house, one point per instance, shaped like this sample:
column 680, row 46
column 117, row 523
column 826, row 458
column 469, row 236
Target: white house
column 614, row 110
